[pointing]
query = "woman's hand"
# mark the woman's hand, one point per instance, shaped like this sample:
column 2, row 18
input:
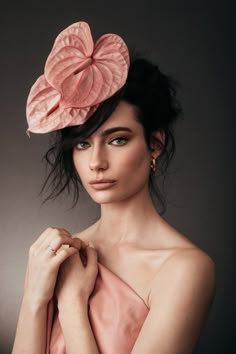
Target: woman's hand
column 75, row 283
column 76, row 278
column 45, row 257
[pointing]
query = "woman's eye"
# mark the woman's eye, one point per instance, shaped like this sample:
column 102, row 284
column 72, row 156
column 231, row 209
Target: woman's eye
column 119, row 141
column 82, row 145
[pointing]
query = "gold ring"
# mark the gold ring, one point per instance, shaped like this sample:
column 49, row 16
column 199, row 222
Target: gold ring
column 52, row 249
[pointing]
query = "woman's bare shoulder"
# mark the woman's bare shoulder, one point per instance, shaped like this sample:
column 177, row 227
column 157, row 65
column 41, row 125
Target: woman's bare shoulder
column 180, row 298
column 183, row 264
column 188, row 268
column 190, row 260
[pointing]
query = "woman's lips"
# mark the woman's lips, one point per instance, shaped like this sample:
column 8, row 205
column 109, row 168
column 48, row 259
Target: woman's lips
column 102, row 184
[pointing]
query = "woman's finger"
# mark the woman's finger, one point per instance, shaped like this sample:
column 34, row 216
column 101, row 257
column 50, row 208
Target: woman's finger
column 49, row 233
column 63, row 254
column 92, row 259
column 57, row 240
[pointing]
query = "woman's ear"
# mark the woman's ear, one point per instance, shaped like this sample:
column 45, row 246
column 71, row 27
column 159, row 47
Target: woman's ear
column 157, row 142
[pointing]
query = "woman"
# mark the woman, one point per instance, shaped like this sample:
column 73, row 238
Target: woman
column 129, row 283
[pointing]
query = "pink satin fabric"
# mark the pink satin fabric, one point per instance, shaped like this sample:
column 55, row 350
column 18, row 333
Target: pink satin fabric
column 116, row 314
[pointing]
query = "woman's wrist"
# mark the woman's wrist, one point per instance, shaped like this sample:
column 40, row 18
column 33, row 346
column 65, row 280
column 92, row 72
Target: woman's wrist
column 74, row 307
column 76, row 327
column 33, row 305
column 78, row 303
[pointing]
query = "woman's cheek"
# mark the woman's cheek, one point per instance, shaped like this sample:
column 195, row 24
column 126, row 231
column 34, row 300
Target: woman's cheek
column 78, row 163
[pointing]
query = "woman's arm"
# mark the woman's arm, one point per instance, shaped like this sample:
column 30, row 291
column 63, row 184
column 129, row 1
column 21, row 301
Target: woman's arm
column 179, row 302
column 31, row 329
column 74, row 286
column 76, row 329
column 41, row 274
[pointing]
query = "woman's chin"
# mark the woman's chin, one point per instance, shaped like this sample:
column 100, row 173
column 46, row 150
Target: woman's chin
column 104, row 197
column 103, row 200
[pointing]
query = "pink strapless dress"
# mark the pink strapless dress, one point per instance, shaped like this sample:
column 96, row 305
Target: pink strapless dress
column 116, row 314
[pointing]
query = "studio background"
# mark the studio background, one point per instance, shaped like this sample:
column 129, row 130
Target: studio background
column 190, row 40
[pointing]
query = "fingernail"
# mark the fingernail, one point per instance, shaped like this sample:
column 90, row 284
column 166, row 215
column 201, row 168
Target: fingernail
column 90, row 244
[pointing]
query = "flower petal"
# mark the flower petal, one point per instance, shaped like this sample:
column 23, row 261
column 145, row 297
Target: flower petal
column 82, row 89
column 111, row 50
column 44, row 112
column 71, row 53
column 78, row 76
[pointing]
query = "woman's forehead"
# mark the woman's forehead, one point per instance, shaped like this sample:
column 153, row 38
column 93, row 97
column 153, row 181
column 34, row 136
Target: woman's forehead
column 123, row 116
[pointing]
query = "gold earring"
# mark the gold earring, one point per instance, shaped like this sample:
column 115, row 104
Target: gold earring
column 153, row 164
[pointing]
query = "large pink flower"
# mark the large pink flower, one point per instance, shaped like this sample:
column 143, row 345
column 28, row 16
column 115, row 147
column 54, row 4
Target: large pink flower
column 78, row 75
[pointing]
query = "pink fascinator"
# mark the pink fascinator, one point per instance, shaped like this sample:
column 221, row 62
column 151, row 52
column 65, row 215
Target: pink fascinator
column 78, row 76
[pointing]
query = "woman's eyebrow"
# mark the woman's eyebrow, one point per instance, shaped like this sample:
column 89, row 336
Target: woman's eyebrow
column 115, row 129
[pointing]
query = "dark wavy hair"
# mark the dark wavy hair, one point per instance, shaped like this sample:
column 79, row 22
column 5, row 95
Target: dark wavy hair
column 154, row 96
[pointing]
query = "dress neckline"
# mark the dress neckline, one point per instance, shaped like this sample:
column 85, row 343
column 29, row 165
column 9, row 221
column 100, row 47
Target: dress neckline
column 103, row 268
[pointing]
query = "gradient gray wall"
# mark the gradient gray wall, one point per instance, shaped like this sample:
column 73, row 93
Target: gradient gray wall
column 191, row 40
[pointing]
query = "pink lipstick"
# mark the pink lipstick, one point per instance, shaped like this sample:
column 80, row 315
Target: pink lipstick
column 102, row 184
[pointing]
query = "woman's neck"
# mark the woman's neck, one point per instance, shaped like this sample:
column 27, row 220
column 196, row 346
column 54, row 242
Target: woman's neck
column 127, row 221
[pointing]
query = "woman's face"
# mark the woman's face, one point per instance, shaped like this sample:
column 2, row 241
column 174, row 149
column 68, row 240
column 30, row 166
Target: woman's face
column 114, row 162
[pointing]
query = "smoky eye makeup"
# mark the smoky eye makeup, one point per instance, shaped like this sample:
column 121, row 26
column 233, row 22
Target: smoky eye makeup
column 119, row 140
column 81, row 145
column 116, row 136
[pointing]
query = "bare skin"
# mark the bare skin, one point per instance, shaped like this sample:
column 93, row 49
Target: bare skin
column 138, row 262
column 173, row 276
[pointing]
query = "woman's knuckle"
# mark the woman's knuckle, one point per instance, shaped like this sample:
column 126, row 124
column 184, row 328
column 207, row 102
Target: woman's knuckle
column 56, row 231
column 60, row 238
column 56, row 234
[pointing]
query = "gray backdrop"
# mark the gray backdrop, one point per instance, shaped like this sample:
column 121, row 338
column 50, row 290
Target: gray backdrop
column 191, row 40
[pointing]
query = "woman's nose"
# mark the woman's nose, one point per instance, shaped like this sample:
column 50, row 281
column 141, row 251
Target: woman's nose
column 98, row 160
